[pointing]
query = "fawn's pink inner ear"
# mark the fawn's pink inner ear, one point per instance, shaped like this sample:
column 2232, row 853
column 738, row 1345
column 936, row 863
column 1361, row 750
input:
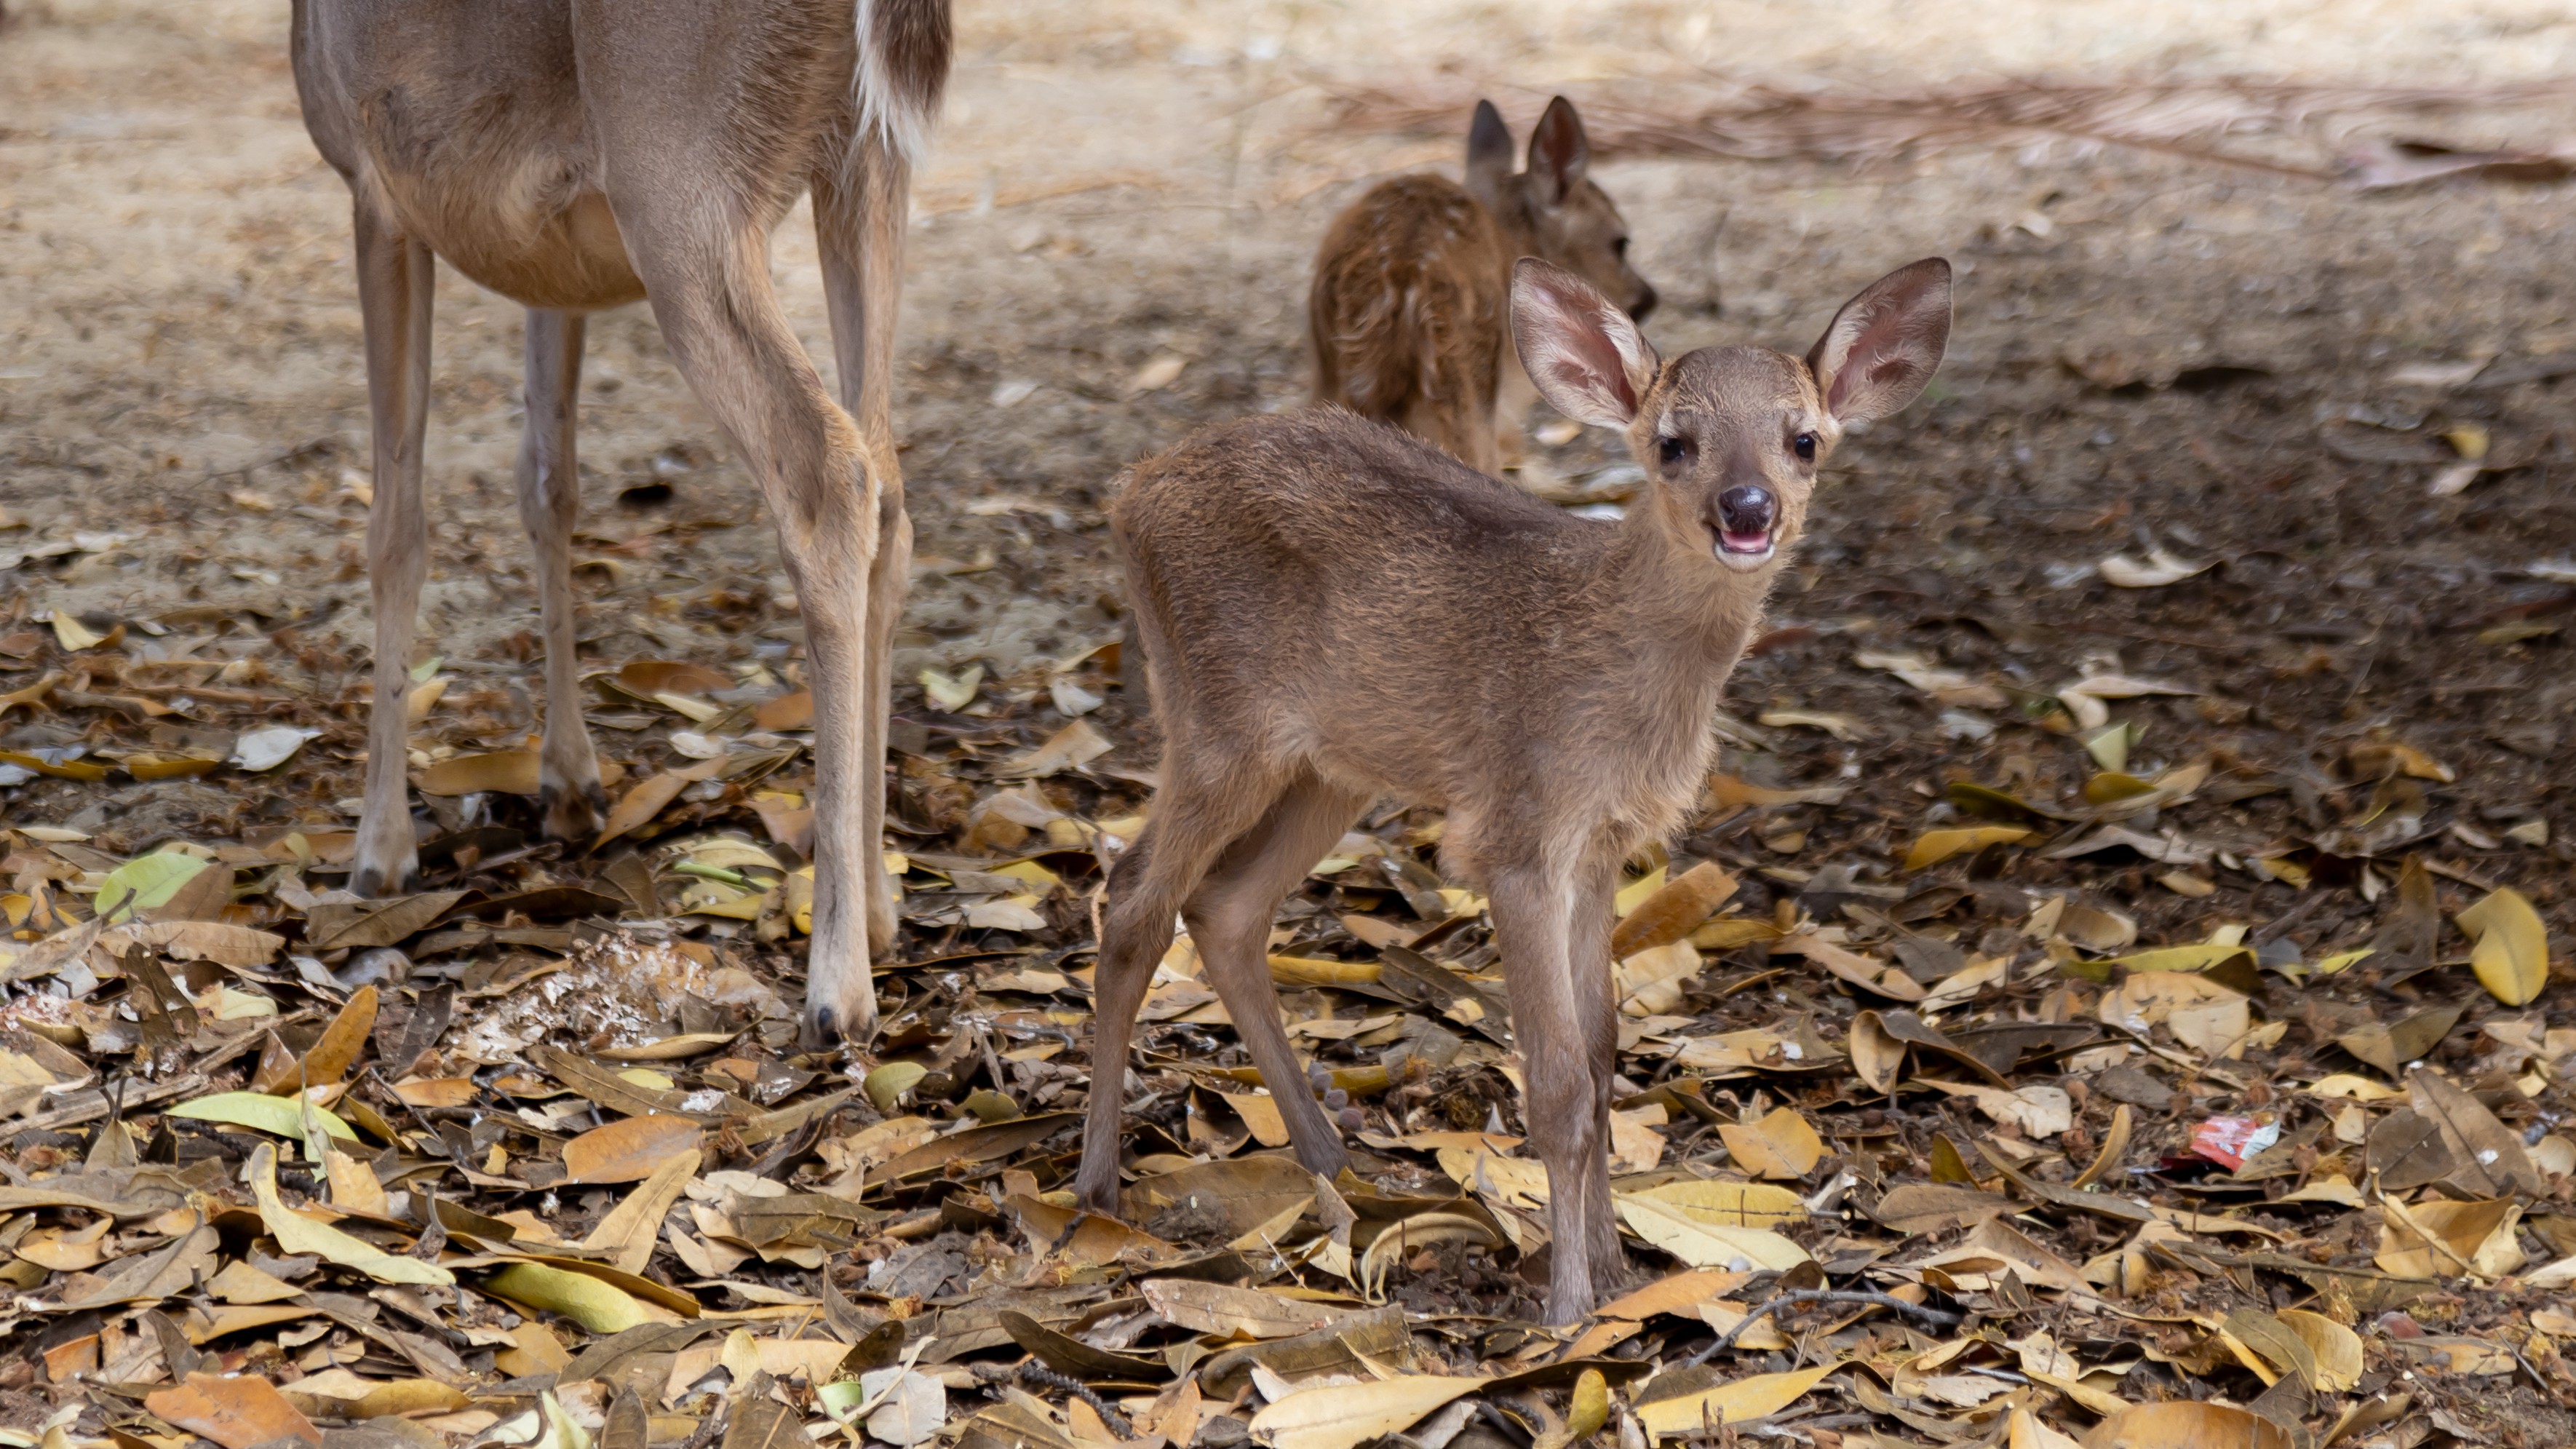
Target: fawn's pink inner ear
column 1586, row 358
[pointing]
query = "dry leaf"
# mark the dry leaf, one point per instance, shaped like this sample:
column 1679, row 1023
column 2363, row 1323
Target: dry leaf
column 1701, row 1241
column 1780, row 1145
column 1757, row 1396
column 1343, row 1416
column 297, row 1233
column 1069, row 748
column 237, row 1411
column 2183, row 1424
column 2511, row 954
column 1935, row 846
column 503, row 772
column 629, row 1149
column 1673, row 911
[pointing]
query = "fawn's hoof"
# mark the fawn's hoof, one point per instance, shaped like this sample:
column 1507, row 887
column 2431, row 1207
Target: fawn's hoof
column 827, row 1026
column 571, row 812
column 372, row 879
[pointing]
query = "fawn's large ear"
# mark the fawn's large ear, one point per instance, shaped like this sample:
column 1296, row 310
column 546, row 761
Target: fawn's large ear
column 1885, row 344
column 1559, row 153
column 1583, row 353
column 1489, row 156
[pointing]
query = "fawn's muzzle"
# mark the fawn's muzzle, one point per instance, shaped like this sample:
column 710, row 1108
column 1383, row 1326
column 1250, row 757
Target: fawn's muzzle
column 1644, row 304
column 1745, row 518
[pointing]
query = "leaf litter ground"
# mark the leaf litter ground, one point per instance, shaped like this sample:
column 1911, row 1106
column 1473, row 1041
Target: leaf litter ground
column 2055, row 1095
column 2074, row 1015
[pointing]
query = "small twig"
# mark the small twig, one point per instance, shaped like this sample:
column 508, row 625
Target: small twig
column 1035, row 1373
column 1937, row 1317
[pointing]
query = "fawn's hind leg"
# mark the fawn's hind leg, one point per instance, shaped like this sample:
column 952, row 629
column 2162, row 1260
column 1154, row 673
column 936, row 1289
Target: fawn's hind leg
column 1196, row 816
column 1230, row 919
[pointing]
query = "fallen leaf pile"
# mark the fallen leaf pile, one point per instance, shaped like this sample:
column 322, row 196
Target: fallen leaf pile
column 1974, row 1109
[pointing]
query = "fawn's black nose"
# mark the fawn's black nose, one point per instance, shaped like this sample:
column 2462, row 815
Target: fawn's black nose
column 1644, row 304
column 1747, row 509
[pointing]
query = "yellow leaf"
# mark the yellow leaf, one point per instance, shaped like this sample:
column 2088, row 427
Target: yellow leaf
column 281, row 1115
column 2338, row 1349
column 297, row 1233
column 72, row 634
column 1705, row 1244
column 1733, row 1402
column 600, row 1307
column 2180, row 958
column 1590, row 1407
column 2511, row 955
column 1733, row 1204
column 1636, row 892
column 1344, row 1415
column 1935, row 846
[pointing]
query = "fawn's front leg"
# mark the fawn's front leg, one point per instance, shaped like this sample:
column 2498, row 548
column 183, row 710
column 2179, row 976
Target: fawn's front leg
column 1534, row 907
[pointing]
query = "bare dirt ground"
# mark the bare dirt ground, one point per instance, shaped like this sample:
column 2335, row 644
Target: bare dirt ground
column 2259, row 372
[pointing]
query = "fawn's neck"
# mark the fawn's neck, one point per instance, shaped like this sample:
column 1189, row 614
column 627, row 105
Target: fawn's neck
column 1688, row 615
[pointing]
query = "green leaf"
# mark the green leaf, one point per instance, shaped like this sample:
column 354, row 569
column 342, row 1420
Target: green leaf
column 283, row 1116
column 144, row 883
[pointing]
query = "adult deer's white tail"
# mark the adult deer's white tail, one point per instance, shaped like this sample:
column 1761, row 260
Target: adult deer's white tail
column 903, row 68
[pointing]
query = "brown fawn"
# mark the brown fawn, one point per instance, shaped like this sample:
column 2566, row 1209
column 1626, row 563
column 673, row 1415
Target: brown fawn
column 1407, row 312
column 1334, row 613
column 577, row 155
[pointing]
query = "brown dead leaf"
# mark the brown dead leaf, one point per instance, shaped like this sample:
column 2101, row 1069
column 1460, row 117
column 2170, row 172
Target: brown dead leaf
column 503, row 772
column 1781, row 1145
column 649, row 678
column 629, row 1149
column 236, row 1412
column 786, row 712
column 1674, row 911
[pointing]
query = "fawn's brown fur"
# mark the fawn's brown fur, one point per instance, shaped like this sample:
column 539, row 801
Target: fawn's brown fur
column 1334, row 612
column 577, row 155
column 1407, row 311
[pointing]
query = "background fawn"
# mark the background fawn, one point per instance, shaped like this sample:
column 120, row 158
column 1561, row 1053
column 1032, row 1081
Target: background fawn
column 1335, row 612
column 1407, row 311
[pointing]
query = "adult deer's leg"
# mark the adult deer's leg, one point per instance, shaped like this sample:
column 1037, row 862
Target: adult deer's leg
column 568, row 793
column 396, row 275
column 705, row 264
column 1533, row 903
column 1229, row 917
column 859, row 217
column 1197, row 815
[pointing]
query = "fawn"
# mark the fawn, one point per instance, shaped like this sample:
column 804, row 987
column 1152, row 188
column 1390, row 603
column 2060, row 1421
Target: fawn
column 1407, row 310
column 1334, row 612
column 577, row 157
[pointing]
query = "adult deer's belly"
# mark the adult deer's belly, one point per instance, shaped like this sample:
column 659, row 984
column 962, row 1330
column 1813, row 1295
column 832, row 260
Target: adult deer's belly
column 532, row 230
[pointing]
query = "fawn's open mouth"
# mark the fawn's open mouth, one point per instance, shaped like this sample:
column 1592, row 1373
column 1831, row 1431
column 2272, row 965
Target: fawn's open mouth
column 1743, row 549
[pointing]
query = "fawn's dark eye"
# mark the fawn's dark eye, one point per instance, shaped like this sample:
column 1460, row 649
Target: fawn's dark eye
column 1674, row 450
column 1619, row 249
column 1805, row 444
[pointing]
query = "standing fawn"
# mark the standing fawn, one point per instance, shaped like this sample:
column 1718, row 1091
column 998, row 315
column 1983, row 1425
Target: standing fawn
column 1407, row 313
column 575, row 155
column 1334, row 613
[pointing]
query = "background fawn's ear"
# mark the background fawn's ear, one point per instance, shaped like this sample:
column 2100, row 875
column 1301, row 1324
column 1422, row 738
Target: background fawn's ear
column 1559, row 153
column 1584, row 355
column 1489, row 157
column 1885, row 344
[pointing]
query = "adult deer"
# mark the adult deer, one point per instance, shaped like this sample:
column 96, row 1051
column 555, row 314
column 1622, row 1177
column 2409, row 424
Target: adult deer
column 575, row 155
column 1333, row 611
